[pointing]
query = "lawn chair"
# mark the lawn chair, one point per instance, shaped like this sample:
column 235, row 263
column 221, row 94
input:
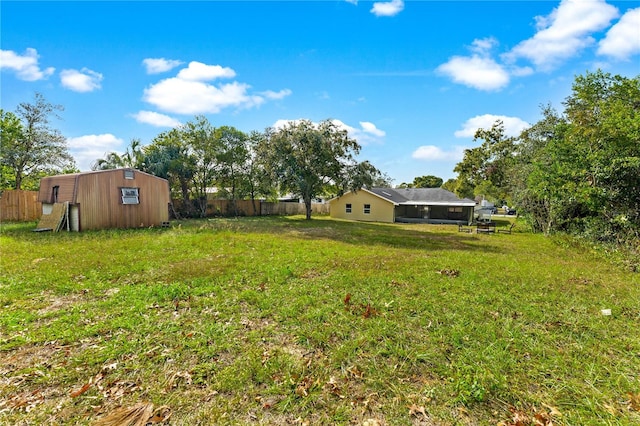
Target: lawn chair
column 462, row 228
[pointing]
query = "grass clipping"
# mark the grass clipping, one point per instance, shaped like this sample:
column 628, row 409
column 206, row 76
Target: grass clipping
column 140, row 414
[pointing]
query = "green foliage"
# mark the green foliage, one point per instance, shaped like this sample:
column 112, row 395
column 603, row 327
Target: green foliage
column 29, row 146
column 133, row 158
column 428, row 181
column 307, row 159
column 578, row 171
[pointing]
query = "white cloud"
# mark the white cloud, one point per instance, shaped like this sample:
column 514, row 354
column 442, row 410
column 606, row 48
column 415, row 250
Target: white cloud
column 197, row 71
column 270, row 94
column 387, row 8
column 435, row 153
column 190, row 93
column 87, row 149
column 513, row 126
column 371, row 128
column 160, row 65
column 84, row 80
column 193, row 97
column 623, row 39
column 367, row 134
column 564, row 33
column 481, row 73
column 156, row 119
column 482, row 46
column 479, row 70
column 25, row 66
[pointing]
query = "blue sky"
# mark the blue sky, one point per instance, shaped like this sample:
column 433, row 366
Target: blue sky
column 410, row 80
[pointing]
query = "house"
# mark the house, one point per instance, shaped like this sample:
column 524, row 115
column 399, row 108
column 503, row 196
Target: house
column 426, row 205
column 119, row 198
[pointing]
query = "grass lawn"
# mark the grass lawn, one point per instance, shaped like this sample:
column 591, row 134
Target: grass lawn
column 279, row 320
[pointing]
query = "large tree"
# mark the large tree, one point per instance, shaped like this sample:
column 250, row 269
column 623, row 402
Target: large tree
column 168, row 157
column 201, row 149
column 257, row 180
column 485, row 170
column 307, row 158
column 232, row 162
column 29, row 144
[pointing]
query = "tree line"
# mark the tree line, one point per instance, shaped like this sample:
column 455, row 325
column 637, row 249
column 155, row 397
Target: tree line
column 302, row 158
column 575, row 171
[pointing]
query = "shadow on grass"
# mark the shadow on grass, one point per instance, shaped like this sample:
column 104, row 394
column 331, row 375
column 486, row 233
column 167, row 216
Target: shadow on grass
column 405, row 236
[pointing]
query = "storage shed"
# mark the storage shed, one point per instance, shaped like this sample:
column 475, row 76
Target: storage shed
column 119, row 198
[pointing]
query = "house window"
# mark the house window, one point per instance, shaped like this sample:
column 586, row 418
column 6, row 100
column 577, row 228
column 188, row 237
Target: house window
column 348, row 208
column 367, row 209
column 54, row 194
column 455, row 209
column 130, row 196
column 128, row 174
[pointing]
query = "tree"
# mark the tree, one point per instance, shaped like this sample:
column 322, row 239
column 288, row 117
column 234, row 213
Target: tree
column 232, row 161
column 133, row 157
column 167, row 157
column 305, row 158
column 201, row 150
column 428, row 181
column 257, row 180
column 484, row 170
column 29, row 145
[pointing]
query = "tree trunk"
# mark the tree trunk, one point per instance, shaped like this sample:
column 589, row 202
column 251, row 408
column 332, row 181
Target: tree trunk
column 307, row 205
column 18, row 180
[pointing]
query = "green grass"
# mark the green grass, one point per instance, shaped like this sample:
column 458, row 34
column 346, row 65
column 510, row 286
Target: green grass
column 284, row 321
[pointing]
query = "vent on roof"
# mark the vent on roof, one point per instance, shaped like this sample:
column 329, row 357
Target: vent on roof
column 386, row 193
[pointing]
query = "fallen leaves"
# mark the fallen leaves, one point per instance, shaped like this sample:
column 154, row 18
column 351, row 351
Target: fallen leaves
column 140, row 414
column 26, row 401
column 416, row 411
column 449, row 272
column 303, row 387
column 83, row 389
column 543, row 417
column 366, row 310
column 634, row 402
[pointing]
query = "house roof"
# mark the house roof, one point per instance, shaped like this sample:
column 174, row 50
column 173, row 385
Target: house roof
column 421, row 196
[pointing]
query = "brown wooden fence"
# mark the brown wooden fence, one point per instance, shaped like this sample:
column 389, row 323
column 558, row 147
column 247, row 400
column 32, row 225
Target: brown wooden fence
column 262, row 208
column 284, row 209
column 20, row 206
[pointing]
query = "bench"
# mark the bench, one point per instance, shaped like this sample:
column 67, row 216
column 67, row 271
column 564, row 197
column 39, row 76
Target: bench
column 485, row 227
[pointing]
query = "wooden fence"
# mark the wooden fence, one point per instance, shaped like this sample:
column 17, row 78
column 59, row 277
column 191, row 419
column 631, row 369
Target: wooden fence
column 20, row 206
column 285, row 209
column 262, row 208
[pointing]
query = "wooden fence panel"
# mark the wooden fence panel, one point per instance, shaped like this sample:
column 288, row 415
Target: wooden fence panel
column 263, row 208
column 225, row 208
column 285, row 209
column 20, row 206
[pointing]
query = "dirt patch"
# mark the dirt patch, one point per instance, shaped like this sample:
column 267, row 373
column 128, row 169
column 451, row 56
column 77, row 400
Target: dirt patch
column 57, row 303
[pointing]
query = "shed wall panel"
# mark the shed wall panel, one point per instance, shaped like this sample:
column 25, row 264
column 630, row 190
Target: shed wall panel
column 66, row 185
column 100, row 201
